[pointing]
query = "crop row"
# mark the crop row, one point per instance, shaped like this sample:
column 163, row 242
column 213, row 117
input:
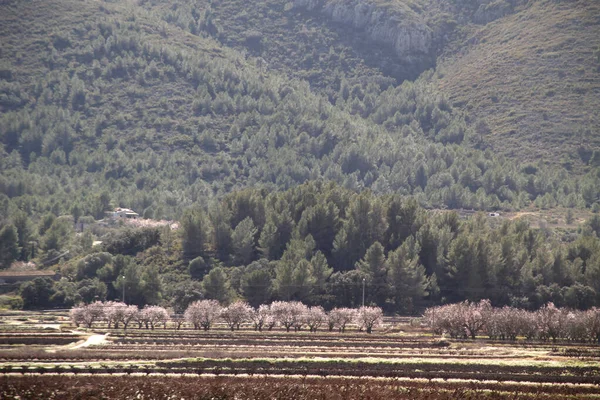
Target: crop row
column 358, row 367
column 328, row 369
column 269, row 342
column 268, row 349
column 129, row 387
column 40, row 339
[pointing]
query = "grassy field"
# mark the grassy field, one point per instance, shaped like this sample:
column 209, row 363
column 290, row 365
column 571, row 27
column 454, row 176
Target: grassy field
column 400, row 360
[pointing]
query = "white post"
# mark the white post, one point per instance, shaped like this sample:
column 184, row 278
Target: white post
column 363, row 304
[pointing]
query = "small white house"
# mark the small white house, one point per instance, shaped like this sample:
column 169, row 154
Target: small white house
column 120, row 213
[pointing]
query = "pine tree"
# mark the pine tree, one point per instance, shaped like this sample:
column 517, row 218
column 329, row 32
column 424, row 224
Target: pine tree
column 374, row 267
column 151, row 285
column 406, row 278
column 9, row 246
column 320, row 270
column 195, row 230
column 243, row 238
column 216, row 286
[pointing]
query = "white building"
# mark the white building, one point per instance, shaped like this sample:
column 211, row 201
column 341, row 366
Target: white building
column 119, row 213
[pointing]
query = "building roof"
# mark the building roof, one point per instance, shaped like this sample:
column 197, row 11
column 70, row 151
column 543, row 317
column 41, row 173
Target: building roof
column 125, row 210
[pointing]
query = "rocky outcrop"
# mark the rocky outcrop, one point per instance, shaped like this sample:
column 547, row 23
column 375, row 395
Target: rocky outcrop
column 489, row 11
column 409, row 35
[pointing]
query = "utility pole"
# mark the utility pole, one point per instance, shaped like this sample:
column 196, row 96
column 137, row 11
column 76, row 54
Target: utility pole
column 123, row 288
column 363, row 292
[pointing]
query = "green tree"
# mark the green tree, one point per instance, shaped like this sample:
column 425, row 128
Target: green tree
column 220, row 218
column 184, row 294
column 59, row 235
column 89, row 266
column 284, row 280
column 257, row 287
column 243, row 240
column 37, row 293
column 320, row 270
column 276, row 234
column 9, row 245
column 128, row 280
column 65, row 293
column 374, row 267
column 216, row 286
column 365, row 225
column 151, row 285
column 198, row 268
column 345, row 288
column 407, row 280
column 25, row 232
column 90, row 290
column 322, row 223
column 293, row 274
column 303, row 281
column 195, row 233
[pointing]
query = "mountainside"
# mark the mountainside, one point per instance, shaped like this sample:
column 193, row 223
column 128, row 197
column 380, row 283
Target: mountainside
column 534, row 78
column 303, row 147
column 155, row 105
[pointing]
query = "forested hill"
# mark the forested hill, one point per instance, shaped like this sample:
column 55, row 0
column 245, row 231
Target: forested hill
column 155, row 106
column 298, row 144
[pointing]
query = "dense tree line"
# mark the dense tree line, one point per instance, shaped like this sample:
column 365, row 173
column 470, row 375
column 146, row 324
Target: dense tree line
column 462, row 320
column 117, row 112
column 102, row 126
column 320, row 244
column 205, row 314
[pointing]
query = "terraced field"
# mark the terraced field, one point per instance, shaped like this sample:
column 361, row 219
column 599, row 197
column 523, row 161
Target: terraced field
column 400, row 360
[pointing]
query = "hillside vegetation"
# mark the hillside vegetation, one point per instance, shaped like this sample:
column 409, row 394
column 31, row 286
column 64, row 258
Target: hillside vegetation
column 533, row 77
column 298, row 144
column 105, row 102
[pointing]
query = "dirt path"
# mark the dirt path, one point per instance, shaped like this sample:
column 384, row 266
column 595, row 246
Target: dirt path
column 523, row 213
column 93, row 340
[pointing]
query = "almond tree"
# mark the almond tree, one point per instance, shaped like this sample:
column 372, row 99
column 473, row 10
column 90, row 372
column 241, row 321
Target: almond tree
column 76, row 314
column 203, row 313
column 507, row 323
column 576, row 329
column 179, row 320
column 446, row 318
column 431, row 318
column 592, row 323
column 128, row 314
column 288, row 313
column 315, row 316
column 475, row 315
column 340, row 317
column 369, row 318
column 236, row 314
column 530, row 327
column 88, row 314
column 262, row 317
column 551, row 322
column 111, row 309
column 154, row 315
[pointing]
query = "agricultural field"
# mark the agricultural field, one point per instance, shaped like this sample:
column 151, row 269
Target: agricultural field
column 45, row 356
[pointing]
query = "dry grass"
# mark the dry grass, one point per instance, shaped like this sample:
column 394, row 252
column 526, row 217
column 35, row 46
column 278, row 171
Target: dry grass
column 534, row 76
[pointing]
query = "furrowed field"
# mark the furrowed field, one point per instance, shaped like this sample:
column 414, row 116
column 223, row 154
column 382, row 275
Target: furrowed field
column 44, row 355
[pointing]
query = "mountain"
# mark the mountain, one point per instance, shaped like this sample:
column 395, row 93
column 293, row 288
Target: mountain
column 155, row 105
column 533, row 76
column 303, row 147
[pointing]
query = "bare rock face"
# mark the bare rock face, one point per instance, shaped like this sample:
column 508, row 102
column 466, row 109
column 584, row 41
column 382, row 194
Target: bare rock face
column 409, row 35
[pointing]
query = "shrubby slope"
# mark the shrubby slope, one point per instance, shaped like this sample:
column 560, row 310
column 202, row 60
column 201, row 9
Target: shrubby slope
column 104, row 102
